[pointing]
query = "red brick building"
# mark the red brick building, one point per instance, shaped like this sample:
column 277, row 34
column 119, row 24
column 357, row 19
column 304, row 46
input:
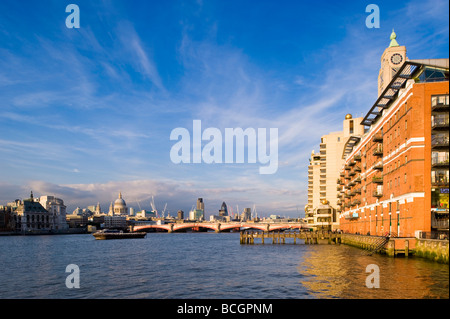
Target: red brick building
column 396, row 176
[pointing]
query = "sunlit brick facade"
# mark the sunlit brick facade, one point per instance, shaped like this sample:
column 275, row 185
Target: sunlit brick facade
column 395, row 178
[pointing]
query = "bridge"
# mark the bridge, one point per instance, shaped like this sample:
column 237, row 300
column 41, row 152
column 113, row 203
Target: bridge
column 217, row 226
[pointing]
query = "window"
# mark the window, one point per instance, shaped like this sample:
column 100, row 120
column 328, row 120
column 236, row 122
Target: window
column 406, row 125
column 351, row 126
column 405, row 178
column 339, row 139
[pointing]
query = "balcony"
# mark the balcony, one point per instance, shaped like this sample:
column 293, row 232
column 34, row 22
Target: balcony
column 440, row 161
column 377, row 193
column 440, row 103
column 378, row 150
column 439, row 223
column 356, row 202
column 357, row 190
column 377, row 138
column 352, row 216
column 440, row 122
column 439, row 180
column 378, row 166
column 377, row 179
column 357, row 158
column 439, row 142
column 357, row 169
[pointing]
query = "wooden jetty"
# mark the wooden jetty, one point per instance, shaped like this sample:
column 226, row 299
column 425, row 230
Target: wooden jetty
column 279, row 237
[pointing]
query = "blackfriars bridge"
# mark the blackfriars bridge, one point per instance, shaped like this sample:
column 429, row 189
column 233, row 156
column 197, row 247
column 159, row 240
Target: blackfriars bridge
column 217, row 226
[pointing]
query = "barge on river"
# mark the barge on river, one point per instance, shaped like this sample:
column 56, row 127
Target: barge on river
column 116, row 234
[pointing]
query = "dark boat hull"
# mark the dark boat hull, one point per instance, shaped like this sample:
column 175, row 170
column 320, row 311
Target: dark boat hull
column 104, row 236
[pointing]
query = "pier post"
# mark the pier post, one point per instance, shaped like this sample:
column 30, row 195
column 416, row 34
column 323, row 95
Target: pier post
column 390, row 251
column 406, row 247
column 262, row 237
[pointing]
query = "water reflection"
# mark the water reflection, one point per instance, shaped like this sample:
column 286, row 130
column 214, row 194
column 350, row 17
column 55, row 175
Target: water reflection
column 340, row 272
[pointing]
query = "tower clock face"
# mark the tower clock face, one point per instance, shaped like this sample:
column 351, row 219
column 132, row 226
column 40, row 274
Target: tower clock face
column 396, row 58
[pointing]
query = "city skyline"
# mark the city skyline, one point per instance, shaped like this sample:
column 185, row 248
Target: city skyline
column 86, row 113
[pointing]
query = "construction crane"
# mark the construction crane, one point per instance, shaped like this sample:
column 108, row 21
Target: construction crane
column 254, row 213
column 152, row 204
column 139, row 205
column 164, row 211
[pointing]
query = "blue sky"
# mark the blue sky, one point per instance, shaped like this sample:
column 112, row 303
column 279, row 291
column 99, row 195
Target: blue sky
column 86, row 113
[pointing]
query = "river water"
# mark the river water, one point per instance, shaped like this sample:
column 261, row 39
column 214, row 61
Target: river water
column 206, row 265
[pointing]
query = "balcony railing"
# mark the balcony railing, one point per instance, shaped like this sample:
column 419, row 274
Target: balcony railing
column 440, row 161
column 438, row 122
column 378, row 150
column 439, row 141
column 377, row 179
column 378, row 166
column 377, row 193
column 439, row 223
column 440, row 103
column 439, row 181
column 377, row 137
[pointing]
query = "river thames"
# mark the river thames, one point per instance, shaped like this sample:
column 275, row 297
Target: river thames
column 206, row 266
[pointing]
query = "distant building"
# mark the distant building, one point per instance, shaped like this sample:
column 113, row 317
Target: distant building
column 30, row 216
column 223, row 210
column 115, row 222
column 246, row 214
column 5, row 218
column 120, row 207
column 95, row 209
column 145, row 214
column 56, row 207
column 199, row 213
column 180, row 215
column 196, row 214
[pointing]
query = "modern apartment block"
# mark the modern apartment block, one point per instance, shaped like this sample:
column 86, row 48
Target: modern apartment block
column 395, row 177
column 323, row 172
